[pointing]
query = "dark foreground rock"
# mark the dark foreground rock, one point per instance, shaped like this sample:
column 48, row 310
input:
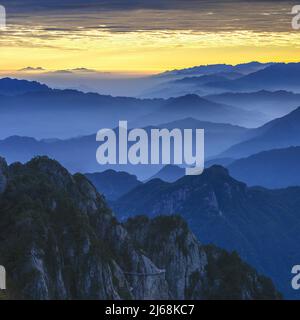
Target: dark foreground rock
column 59, row 240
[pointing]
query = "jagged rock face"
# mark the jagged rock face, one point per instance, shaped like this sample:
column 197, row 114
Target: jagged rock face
column 59, row 240
column 194, row 271
column 174, row 249
column 257, row 223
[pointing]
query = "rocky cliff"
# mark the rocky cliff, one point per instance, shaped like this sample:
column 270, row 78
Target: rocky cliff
column 59, row 240
column 261, row 225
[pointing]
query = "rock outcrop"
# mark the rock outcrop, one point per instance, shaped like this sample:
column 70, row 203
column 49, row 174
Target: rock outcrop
column 195, row 271
column 59, row 240
column 260, row 224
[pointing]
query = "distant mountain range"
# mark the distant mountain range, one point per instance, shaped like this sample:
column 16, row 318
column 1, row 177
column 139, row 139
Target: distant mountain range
column 192, row 105
column 282, row 171
column 270, row 77
column 35, row 110
column 277, row 168
column 208, row 78
column 11, row 87
column 224, row 162
column 200, row 80
column 279, row 133
column 217, row 135
column 43, row 114
column 27, row 108
column 113, row 184
column 273, row 104
column 188, row 85
column 262, row 225
column 281, row 76
column 79, row 154
column 244, row 68
column 169, row 173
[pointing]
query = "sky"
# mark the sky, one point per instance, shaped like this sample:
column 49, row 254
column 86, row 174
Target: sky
column 132, row 36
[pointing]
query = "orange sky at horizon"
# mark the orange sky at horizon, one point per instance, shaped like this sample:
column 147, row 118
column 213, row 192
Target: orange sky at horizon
column 153, row 57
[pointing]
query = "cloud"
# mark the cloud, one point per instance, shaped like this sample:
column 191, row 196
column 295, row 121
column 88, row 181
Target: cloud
column 83, row 70
column 70, row 16
column 120, row 5
column 63, row 25
column 76, row 70
column 30, row 69
column 63, row 72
